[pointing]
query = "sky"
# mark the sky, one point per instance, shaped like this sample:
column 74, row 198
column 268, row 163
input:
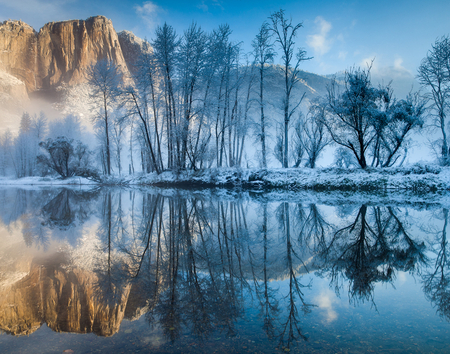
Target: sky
column 338, row 34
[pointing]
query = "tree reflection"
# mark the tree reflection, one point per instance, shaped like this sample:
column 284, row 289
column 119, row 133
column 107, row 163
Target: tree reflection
column 112, row 270
column 46, row 214
column 370, row 250
column 266, row 295
column 436, row 284
column 194, row 263
column 290, row 328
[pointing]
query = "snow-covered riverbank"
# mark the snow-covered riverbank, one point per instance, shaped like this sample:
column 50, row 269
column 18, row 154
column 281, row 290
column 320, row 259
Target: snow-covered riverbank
column 420, row 178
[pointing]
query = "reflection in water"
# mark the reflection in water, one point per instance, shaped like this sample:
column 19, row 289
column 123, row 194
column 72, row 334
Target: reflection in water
column 197, row 264
column 370, row 250
column 436, row 283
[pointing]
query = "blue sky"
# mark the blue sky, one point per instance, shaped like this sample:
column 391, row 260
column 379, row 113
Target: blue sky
column 338, row 34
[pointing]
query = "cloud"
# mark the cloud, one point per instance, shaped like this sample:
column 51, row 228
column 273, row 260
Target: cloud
column 326, row 301
column 203, row 7
column 149, row 13
column 207, row 5
column 320, row 41
column 402, row 80
column 370, row 62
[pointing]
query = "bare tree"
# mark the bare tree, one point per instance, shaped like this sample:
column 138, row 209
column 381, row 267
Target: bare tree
column 264, row 53
column 285, row 33
column 192, row 64
column 312, row 134
column 165, row 49
column 434, row 74
column 105, row 78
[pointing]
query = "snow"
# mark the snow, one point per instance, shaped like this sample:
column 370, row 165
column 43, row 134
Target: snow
column 420, row 178
column 44, row 181
column 416, row 178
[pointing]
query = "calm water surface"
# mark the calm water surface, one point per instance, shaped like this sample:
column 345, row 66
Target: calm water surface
column 165, row 271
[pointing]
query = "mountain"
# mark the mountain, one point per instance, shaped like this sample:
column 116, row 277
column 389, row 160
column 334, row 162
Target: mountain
column 59, row 53
column 52, row 64
column 41, row 64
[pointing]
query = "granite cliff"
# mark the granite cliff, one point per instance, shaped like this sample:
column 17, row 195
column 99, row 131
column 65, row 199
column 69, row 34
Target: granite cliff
column 67, row 300
column 61, row 52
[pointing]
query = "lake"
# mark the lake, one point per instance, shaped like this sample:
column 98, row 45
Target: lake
column 218, row 271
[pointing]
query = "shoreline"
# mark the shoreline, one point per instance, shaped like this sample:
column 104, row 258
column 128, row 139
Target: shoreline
column 417, row 178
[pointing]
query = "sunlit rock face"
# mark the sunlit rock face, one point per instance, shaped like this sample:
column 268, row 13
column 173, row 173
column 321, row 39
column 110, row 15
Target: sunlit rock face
column 60, row 52
column 132, row 47
column 18, row 51
column 67, row 49
column 66, row 299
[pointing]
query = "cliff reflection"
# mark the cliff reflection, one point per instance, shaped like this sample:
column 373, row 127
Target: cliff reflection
column 60, row 297
column 197, row 263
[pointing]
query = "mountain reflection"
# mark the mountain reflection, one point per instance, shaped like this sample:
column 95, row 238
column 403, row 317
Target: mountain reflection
column 193, row 262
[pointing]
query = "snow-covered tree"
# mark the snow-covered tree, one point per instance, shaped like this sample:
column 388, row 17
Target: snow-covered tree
column 434, row 76
column 351, row 114
column 393, row 126
column 285, row 32
column 31, row 131
column 369, row 121
column 165, row 48
column 6, row 153
column 65, row 158
column 105, row 79
column 144, row 102
column 263, row 53
column 70, row 126
column 192, row 61
column 311, row 133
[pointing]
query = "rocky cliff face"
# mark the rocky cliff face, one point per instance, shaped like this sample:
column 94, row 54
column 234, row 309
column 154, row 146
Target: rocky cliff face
column 18, row 49
column 60, row 52
column 68, row 300
column 132, row 48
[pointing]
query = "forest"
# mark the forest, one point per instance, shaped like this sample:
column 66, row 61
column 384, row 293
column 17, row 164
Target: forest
column 195, row 101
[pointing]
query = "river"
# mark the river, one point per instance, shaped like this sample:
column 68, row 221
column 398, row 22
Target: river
column 204, row 271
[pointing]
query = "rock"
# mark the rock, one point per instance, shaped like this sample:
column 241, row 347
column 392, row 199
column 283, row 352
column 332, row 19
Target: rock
column 67, row 299
column 132, row 48
column 18, row 51
column 60, row 53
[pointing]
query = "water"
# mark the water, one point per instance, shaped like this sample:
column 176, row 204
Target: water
column 128, row 270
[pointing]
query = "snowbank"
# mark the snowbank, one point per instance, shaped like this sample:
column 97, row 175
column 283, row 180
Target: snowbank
column 45, row 181
column 417, row 178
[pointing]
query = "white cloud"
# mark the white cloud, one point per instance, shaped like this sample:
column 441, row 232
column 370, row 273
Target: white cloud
column 207, row 5
column 320, row 41
column 398, row 64
column 326, row 301
column 402, row 80
column 370, row 62
column 203, row 6
column 149, row 13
